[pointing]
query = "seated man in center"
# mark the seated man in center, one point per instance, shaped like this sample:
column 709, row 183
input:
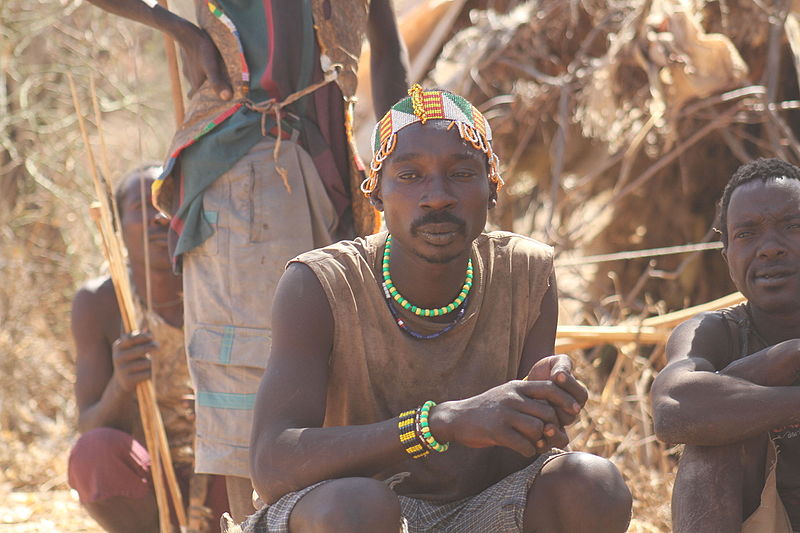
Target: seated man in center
column 411, row 381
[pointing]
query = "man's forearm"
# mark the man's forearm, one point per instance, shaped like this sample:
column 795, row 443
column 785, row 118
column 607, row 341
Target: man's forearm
column 710, row 409
column 388, row 59
column 776, row 365
column 155, row 17
column 297, row 458
column 389, row 81
column 114, row 409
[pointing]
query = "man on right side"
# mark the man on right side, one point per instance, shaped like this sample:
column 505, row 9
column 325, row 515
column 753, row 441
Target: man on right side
column 729, row 391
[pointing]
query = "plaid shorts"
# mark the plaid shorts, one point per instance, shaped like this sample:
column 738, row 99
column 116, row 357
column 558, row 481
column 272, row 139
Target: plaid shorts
column 498, row 509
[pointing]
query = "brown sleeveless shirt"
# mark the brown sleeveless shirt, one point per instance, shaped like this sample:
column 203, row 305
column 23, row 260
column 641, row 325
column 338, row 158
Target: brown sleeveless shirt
column 377, row 371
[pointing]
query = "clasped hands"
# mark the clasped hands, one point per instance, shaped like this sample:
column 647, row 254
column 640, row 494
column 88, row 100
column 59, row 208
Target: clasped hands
column 527, row 416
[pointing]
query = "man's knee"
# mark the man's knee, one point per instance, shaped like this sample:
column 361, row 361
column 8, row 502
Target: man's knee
column 716, row 484
column 586, row 493
column 705, row 465
column 349, row 505
column 103, row 460
column 98, row 446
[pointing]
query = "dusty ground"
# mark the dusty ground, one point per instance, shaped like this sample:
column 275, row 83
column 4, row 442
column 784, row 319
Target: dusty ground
column 56, row 511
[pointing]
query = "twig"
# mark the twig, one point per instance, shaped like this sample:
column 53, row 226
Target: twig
column 434, row 42
column 639, row 285
column 534, row 73
column 756, row 141
column 145, row 392
column 671, row 319
column 792, row 28
column 653, row 330
column 590, row 177
column 558, row 155
column 729, row 96
column 98, row 120
column 610, row 334
column 632, row 150
column 772, row 74
column 784, row 128
column 721, row 121
column 158, row 424
column 146, row 244
column 638, row 254
column 736, row 147
column 674, row 274
column 523, row 143
column 174, row 73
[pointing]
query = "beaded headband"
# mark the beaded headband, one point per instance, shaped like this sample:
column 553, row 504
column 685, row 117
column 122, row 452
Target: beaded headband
column 421, row 106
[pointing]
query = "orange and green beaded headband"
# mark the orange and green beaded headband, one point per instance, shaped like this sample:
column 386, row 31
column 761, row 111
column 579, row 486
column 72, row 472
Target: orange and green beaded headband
column 421, row 106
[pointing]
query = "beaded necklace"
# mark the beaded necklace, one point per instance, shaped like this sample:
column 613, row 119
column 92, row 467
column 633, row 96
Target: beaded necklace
column 391, row 291
column 405, row 329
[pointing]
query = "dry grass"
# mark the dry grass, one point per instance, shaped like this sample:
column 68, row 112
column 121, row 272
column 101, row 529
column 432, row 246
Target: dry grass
column 617, row 424
column 47, row 242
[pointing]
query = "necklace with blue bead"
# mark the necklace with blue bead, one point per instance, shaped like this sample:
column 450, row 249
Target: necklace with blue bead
column 393, row 295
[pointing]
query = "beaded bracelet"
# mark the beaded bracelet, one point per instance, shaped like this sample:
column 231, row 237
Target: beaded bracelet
column 408, row 435
column 419, row 432
column 427, row 437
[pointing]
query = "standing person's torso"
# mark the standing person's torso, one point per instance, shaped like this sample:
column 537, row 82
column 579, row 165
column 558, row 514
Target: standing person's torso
column 377, row 371
column 271, row 50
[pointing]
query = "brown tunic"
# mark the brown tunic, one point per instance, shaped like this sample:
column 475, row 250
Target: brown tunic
column 377, row 371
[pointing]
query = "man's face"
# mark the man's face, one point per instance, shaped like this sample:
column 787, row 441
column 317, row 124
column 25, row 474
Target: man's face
column 763, row 251
column 434, row 192
column 130, row 212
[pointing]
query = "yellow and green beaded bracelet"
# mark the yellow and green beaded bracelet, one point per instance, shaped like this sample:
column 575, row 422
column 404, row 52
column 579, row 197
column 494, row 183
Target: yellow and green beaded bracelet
column 424, row 414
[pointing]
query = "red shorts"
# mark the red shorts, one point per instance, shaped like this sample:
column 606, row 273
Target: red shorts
column 108, row 463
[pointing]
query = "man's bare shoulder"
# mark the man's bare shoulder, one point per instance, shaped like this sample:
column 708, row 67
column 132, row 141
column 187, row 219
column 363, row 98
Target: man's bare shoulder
column 705, row 336
column 96, row 301
column 99, row 290
column 300, row 293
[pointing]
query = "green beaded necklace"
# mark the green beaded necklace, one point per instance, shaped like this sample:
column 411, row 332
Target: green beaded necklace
column 392, row 292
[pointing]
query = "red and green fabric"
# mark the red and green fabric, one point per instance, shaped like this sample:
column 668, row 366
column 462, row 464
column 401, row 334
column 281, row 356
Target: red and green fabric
column 279, row 55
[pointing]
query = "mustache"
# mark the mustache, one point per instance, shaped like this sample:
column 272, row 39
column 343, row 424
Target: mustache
column 437, row 217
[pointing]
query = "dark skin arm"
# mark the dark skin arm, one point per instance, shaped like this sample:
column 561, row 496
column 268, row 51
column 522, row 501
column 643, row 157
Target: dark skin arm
column 202, row 60
column 107, row 371
column 702, row 398
column 289, row 449
column 539, row 365
column 388, row 60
